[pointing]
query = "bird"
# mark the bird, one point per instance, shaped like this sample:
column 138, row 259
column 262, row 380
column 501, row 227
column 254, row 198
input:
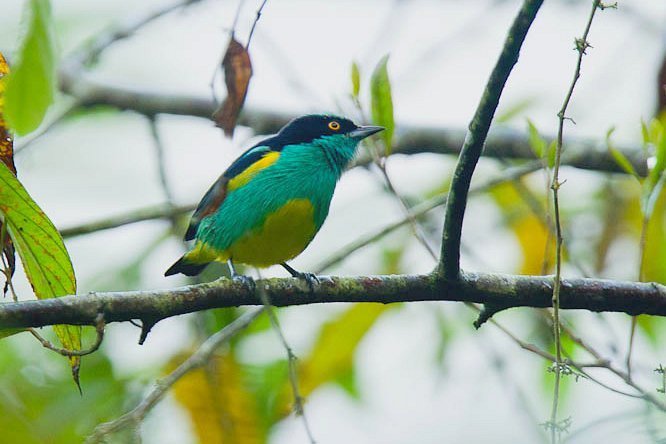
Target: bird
column 266, row 208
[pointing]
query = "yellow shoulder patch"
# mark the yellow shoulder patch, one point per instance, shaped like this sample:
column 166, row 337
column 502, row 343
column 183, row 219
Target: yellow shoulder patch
column 269, row 159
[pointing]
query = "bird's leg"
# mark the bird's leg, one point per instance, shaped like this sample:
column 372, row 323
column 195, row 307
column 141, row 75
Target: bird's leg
column 310, row 278
column 243, row 279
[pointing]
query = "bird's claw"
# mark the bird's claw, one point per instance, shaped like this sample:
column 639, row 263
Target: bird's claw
column 247, row 281
column 310, row 278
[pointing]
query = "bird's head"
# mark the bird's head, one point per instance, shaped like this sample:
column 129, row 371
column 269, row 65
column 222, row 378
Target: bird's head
column 314, row 128
column 338, row 137
column 311, row 127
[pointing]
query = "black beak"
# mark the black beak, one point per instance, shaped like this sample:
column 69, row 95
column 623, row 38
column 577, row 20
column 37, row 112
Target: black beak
column 364, row 131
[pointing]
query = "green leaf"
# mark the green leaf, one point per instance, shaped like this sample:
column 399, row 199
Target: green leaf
column 333, row 353
column 623, row 162
column 9, row 332
column 382, row 102
column 537, row 143
column 42, row 251
column 38, row 406
column 446, row 332
column 650, row 326
column 332, row 357
column 645, row 133
column 268, row 383
column 347, row 381
column 31, row 84
column 551, row 153
column 355, row 80
column 514, row 110
column 660, row 146
column 619, row 157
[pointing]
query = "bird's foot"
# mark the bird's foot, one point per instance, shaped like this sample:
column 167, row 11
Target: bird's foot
column 241, row 278
column 247, row 281
column 310, row 278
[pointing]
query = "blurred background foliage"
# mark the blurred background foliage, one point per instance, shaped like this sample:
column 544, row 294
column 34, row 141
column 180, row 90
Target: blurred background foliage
column 370, row 373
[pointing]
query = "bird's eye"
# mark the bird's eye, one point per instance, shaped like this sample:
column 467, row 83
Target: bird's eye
column 334, row 125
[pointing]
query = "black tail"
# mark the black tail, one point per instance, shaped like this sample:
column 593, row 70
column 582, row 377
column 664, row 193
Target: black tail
column 185, row 267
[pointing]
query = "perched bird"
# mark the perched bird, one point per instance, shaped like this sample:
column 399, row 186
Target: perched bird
column 269, row 204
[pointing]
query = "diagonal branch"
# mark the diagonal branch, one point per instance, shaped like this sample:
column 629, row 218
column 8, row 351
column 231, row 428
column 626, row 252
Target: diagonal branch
column 163, row 211
column 476, row 138
column 134, row 417
column 484, row 288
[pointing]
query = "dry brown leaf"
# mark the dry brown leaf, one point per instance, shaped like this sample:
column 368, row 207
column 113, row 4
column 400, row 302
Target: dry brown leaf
column 237, row 72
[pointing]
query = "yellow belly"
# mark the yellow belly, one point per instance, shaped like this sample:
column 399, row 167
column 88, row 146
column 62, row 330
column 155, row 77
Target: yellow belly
column 283, row 236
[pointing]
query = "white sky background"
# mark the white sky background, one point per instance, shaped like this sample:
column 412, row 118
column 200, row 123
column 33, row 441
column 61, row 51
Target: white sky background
column 441, row 55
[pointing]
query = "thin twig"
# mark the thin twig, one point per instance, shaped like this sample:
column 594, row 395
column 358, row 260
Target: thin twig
column 218, row 66
column 512, row 384
column 76, row 62
column 143, row 214
column 299, row 408
column 641, row 277
column 161, row 161
column 239, row 8
column 99, row 329
column 581, row 367
column 163, row 211
column 99, row 320
column 476, row 137
column 419, row 210
column 51, row 122
column 198, row 359
column 605, row 363
column 254, row 25
column 581, row 45
column 542, row 213
column 419, row 233
column 380, row 162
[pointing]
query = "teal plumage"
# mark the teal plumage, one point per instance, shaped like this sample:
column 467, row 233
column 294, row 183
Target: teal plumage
column 269, row 204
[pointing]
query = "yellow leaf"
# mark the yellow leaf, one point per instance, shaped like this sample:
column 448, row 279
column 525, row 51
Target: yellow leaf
column 220, row 407
column 532, row 234
column 332, row 355
column 654, row 262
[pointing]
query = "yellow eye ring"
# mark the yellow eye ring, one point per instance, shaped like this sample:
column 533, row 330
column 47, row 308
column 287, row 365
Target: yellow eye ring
column 334, row 125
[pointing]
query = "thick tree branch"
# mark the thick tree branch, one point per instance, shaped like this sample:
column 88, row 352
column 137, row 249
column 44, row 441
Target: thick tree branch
column 75, row 80
column 476, row 138
column 502, row 143
column 486, row 288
